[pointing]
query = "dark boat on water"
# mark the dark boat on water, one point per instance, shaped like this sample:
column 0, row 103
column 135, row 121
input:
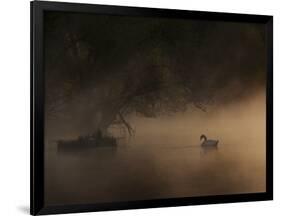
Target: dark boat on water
column 87, row 142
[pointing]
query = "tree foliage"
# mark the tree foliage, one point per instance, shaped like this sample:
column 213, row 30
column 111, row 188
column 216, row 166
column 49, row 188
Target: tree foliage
column 101, row 68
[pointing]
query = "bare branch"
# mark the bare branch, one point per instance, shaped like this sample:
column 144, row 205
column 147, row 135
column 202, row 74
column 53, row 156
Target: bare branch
column 127, row 125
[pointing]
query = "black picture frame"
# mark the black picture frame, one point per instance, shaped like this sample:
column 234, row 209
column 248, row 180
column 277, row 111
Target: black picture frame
column 37, row 107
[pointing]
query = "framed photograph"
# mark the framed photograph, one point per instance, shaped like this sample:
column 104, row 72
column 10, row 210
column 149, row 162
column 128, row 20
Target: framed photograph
column 140, row 107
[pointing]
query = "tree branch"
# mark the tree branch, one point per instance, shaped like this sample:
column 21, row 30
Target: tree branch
column 127, row 125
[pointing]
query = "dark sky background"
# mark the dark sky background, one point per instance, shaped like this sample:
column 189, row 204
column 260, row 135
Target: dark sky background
column 108, row 64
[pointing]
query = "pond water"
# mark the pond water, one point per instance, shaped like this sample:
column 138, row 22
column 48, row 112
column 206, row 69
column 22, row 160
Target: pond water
column 164, row 159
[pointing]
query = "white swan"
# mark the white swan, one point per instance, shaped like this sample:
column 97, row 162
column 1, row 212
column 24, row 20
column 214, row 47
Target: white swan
column 208, row 143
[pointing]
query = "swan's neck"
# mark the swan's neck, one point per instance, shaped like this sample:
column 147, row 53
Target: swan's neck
column 204, row 138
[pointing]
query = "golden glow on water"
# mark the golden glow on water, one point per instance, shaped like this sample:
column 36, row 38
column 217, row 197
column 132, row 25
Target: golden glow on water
column 164, row 159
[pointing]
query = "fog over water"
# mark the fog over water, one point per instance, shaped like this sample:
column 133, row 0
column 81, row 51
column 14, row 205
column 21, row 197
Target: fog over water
column 165, row 82
column 164, row 158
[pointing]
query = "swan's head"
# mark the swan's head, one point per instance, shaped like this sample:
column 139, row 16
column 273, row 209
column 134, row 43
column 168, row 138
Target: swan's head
column 203, row 137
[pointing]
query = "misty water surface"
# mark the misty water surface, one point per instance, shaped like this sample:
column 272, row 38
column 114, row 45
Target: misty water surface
column 164, row 159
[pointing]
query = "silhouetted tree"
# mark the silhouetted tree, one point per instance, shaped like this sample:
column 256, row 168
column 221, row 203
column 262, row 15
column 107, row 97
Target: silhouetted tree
column 101, row 68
